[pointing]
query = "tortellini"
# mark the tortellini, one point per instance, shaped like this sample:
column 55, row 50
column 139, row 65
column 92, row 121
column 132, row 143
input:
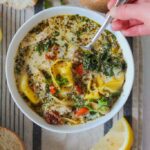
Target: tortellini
column 62, row 69
column 27, row 91
column 114, row 84
column 97, row 86
column 92, row 95
column 93, row 87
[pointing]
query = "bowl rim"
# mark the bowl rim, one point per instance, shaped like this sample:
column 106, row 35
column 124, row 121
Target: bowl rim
column 27, row 110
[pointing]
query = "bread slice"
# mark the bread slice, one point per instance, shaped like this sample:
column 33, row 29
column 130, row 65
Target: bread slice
column 19, row 4
column 98, row 5
column 9, row 140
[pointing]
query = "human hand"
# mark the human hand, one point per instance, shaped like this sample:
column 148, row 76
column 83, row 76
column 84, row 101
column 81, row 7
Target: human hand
column 132, row 19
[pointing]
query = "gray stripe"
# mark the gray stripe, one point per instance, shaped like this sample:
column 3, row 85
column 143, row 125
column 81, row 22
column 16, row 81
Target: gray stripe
column 128, row 109
column 36, row 129
column 108, row 126
column 36, row 137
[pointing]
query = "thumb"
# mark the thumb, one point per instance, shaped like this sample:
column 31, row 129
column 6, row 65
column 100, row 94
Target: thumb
column 127, row 11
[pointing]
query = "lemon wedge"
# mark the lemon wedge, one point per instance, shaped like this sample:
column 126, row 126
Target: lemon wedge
column 0, row 35
column 120, row 137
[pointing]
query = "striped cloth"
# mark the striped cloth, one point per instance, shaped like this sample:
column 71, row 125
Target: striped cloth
column 36, row 138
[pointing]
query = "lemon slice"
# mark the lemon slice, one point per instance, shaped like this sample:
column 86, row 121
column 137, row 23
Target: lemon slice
column 0, row 35
column 120, row 137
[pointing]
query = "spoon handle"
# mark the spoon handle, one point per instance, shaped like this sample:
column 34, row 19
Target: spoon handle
column 105, row 24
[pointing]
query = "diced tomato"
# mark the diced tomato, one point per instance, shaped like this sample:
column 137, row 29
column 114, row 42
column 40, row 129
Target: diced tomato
column 78, row 88
column 52, row 89
column 47, row 56
column 79, row 69
column 82, row 111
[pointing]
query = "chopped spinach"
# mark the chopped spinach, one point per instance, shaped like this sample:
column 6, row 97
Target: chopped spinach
column 39, row 48
column 103, row 102
column 47, row 44
column 91, row 62
column 61, row 80
column 102, row 61
column 104, row 105
column 92, row 111
column 44, row 45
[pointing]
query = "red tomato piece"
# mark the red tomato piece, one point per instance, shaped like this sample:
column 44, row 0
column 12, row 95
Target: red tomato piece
column 82, row 111
column 47, row 56
column 79, row 69
column 78, row 88
column 52, row 89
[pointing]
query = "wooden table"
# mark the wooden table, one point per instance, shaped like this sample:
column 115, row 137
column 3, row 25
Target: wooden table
column 36, row 138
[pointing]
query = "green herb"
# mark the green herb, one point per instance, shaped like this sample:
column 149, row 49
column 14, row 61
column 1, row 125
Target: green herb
column 103, row 61
column 103, row 102
column 85, row 19
column 91, row 62
column 44, row 45
column 93, row 111
column 47, row 88
column 47, row 44
column 61, row 80
column 107, row 69
column 38, row 48
column 104, row 105
column 78, row 101
column 88, row 103
column 104, row 109
column 48, row 4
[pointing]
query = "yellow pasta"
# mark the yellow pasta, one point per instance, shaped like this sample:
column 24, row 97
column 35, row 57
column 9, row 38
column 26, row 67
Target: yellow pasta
column 24, row 88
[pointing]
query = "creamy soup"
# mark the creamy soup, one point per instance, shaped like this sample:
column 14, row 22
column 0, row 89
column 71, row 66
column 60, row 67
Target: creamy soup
column 63, row 83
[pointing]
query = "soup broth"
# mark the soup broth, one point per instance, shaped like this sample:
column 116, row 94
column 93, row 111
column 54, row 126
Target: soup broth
column 63, row 83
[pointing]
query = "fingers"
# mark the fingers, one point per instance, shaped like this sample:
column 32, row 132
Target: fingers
column 126, row 12
column 119, row 25
column 111, row 4
column 122, row 25
column 138, row 30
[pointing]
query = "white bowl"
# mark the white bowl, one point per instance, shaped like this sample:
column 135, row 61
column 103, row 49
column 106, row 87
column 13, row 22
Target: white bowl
column 25, row 28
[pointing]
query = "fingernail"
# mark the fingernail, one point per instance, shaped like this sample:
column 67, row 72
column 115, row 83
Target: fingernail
column 112, row 12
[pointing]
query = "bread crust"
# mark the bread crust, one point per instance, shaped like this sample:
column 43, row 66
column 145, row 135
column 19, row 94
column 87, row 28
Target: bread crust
column 19, row 4
column 9, row 140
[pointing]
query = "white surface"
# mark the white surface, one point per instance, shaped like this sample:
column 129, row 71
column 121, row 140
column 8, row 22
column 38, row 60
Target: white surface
column 146, row 94
column 10, row 72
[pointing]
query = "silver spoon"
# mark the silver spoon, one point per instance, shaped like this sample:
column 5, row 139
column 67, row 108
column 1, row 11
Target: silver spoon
column 102, row 28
